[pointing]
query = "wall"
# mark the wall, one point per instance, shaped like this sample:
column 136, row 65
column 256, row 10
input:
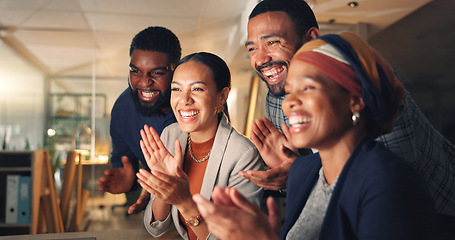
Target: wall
column 22, row 111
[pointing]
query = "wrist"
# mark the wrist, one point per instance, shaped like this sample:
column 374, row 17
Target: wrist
column 186, row 207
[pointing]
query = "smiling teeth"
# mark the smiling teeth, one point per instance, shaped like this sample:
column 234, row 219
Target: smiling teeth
column 299, row 120
column 188, row 113
column 148, row 94
column 273, row 71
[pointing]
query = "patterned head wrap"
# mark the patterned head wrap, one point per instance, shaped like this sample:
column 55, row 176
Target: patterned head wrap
column 357, row 67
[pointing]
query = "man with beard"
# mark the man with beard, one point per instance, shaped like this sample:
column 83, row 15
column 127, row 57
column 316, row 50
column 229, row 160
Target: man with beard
column 276, row 30
column 154, row 53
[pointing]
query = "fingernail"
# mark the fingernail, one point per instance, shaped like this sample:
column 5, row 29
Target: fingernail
column 197, row 198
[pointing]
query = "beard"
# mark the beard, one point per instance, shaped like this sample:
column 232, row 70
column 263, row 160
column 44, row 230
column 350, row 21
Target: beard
column 276, row 89
column 148, row 109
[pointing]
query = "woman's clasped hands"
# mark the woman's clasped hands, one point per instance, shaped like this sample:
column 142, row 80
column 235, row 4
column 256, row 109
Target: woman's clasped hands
column 166, row 179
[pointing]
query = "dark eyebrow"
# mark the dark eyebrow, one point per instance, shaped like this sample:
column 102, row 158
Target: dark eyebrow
column 161, row 68
column 191, row 84
column 153, row 69
column 263, row 38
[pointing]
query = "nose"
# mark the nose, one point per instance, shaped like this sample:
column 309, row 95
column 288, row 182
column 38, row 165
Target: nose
column 185, row 98
column 290, row 102
column 261, row 56
column 146, row 80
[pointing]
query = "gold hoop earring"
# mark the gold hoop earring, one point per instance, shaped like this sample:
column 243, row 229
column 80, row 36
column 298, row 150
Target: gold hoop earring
column 356, row 118
column 219, row 109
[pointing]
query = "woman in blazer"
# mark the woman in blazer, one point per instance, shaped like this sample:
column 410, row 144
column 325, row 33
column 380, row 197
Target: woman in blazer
column 198, row 152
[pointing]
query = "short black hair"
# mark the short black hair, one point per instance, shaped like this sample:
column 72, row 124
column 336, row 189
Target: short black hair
column 298, row 10
column 158, row 39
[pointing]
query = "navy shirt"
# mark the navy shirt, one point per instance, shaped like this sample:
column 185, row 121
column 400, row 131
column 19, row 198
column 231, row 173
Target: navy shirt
column 126, row 123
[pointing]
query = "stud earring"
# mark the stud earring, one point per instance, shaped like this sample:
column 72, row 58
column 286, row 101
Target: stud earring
column 355, row 118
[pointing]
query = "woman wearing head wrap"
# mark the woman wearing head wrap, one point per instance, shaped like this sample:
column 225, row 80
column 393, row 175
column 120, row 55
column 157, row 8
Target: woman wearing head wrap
column 341, row 94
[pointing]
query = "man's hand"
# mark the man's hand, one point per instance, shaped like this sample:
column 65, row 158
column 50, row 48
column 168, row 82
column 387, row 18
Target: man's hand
column 274, row 178
column 274, row 147
column 140, row 204
column 232, row 216
column 118, row 180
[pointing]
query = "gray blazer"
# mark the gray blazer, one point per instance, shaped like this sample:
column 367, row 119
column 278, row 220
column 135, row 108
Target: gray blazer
column 231, row 153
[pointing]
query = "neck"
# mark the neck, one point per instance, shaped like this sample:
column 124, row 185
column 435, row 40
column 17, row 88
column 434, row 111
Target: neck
column 334, row 158
column 165, row 109
column 205, row 134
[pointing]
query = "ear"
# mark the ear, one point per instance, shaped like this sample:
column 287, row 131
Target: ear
column 356, row 104
column 224, row 95
column 311, row 34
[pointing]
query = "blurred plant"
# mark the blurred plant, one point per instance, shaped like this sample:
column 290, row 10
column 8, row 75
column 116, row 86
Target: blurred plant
column 27, row 144
column 4, row 145
column 55, row 157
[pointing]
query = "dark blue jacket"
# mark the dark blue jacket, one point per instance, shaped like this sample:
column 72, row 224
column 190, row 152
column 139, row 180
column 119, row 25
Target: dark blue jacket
column 378, row 196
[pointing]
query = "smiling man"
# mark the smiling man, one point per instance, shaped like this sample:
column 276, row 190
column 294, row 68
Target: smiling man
column 273, row 38
column 276, row 29
column 154, row 53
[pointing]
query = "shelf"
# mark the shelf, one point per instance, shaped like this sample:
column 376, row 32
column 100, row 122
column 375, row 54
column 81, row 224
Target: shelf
column 16, row 169
column 70, row 117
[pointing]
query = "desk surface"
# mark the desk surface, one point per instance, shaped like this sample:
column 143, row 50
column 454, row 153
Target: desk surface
column 139, row 234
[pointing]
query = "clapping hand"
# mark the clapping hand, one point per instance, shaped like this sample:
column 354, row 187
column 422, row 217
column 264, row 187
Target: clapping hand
column 232, row 216
column 277, row 152
column 157, row 156
column 117, row 180
column 166, row 179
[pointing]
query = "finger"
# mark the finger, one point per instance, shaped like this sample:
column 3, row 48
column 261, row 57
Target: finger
column 264, row 126
column 163, row 177
column 274, row 216
column 150, row 133
column 286, row 131
column 132, row 208
column 255, row 180
column 150, row 181
column 145, row 197
column 220, row 197
column 257, row 142
column 242, row 202
column 269, row 125
column 126, row 163
column 144, row 175
column 205, row 207
column 148, row 140
column 179, row 172
column 256, row 131
column 290, row 155
column 288, row 137
column 267, row 174
column 145, row 151
column 109, row 172
column 149, row 189
column 146, row 148
column 266, row 179
column 272, row 208
column 156, row 139
column 178, row 153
